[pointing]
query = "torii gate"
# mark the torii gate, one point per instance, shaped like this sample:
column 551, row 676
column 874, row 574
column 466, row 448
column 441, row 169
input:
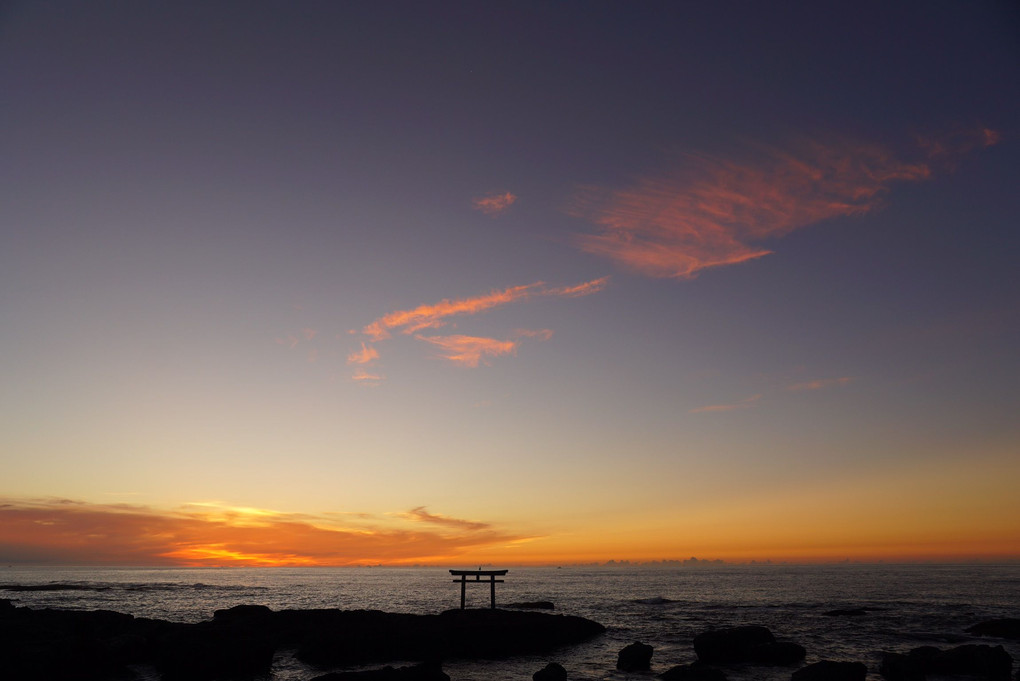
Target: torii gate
column 478, row 574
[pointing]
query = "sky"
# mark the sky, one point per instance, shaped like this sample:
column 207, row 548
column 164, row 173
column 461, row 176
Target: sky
column 317, row 283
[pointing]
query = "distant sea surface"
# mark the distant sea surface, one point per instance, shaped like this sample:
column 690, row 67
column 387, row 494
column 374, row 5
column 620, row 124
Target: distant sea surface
column 906, row 606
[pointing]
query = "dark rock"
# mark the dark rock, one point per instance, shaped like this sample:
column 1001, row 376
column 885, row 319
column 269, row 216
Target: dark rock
column 501, row 633
column 778, row 653
column 976, row 660
column 210, row 651
column 1004, row 628
column 532, row 605
column 635, row 657
column 731, row 645
column 243, row 614
column 45, row 644
column 923, row 657
column 358, row 637
column 551, row 672
column 239, row 643
column 899, row 667
column 849, row 612
column 827, row 670
column 426, row 671
column 696, row 671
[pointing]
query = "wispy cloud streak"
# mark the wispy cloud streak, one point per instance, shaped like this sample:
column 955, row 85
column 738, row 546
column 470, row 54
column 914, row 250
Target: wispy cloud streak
column 819, row 384
column 433, row 315
column 470, row 351
column 718, row 212
column 421, row 514
column 462, row 349
column 365, row 376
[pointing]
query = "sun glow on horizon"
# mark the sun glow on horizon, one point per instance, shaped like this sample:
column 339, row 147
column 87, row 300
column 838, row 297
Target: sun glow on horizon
column 863, row 520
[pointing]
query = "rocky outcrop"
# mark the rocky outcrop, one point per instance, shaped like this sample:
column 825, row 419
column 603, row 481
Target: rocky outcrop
column 635, row 657
column 749, row 644
column 239, row 643
column 827, row 670
column 551, row 672
column 980, row 661
column 53, row 644
column 1003, row 628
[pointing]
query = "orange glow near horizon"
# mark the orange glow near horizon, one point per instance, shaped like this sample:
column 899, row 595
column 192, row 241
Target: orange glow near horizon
column 949, row 513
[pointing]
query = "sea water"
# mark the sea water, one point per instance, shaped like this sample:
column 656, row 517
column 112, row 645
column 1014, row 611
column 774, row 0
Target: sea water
column 664, row 606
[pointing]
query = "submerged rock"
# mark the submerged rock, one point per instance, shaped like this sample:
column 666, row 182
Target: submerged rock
column 551, row 672
column 426, row 671
column 749, row 644
column 1003, row 628
column 827, row 670
column 981, row 661
column 635, row 657
column 731, row 645
column 532, row 605
column 654, row 600
column 899, row 667
column 696, row 671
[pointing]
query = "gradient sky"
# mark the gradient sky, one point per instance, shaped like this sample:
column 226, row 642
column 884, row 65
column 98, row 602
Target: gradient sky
column 402, row 282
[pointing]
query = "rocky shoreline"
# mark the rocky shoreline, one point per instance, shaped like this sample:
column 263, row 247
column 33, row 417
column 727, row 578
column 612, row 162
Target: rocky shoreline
column 240, row 643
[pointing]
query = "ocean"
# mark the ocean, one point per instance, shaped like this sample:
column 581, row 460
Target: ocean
column 665, row 606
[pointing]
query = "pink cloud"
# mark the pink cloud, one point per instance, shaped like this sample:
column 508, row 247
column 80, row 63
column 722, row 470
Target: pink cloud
column 494, row 203
column 364, row 356
column 948, row 147
column 717, row 212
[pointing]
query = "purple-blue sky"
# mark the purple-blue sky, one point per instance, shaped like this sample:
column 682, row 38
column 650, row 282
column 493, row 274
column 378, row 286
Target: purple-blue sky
column 519, row 282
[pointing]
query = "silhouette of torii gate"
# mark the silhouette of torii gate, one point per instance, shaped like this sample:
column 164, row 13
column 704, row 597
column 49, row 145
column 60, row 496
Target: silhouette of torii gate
column 478, row 574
